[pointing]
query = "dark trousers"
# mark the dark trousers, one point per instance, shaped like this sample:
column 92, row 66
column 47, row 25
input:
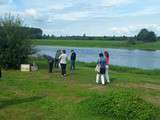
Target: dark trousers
column 63, row 68
column 50, row 67
column 72, row 65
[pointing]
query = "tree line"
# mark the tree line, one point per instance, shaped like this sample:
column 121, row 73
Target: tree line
column 33, row 33
column 144, row 35
column 120, row 38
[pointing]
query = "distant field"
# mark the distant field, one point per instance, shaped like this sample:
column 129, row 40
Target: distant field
column 98, row 43
column 80, row 43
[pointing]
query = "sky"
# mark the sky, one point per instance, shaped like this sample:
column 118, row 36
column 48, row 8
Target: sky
column 92, row 17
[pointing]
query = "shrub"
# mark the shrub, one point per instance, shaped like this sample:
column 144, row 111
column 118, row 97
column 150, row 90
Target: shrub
column 120, row 105
column 146, row 36
column 15, row 47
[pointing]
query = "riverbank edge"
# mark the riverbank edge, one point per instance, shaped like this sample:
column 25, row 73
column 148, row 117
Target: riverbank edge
column 122, row 68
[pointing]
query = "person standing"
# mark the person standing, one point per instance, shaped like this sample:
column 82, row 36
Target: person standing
column 58, row 53
column 63, row 62
column 106, row 54
column 50, row 63
column 72, row 61
column 102, row 66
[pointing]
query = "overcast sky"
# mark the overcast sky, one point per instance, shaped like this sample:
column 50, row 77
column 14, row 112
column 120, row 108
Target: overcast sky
column 93, row 17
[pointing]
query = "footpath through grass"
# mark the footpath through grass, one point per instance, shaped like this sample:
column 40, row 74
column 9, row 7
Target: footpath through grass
column 99, row 43
column 43, row 96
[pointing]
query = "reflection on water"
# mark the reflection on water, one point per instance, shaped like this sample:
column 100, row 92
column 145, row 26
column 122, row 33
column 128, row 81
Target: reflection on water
column 121, row 57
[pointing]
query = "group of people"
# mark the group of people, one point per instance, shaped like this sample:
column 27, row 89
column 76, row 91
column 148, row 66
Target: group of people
column 102, row 68
column 60, row 61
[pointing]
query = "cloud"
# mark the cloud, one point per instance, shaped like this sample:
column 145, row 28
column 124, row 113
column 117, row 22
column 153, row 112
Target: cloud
column 115, row 2
column 31, row 13
column 95, row 17
column 2, row 2
column 59, row 6
column 5, row 2
column 69, row 16
column 133, row 30
column 142, row 12
column 146, row 11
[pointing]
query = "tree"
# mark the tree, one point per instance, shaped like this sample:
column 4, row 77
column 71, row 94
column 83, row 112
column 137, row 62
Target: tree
column 152, row 36
column 15, row 46
column 146, row 36
column 84, row 35
column 35, row 33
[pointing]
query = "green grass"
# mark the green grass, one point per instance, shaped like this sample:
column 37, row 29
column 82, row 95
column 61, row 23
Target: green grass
column 43, row 96
column 98, row 43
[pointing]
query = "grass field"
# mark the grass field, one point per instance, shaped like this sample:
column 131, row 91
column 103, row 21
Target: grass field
column 98, row 43
column 43, row 96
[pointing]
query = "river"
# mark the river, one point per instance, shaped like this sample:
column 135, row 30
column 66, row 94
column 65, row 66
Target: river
column 121, row 57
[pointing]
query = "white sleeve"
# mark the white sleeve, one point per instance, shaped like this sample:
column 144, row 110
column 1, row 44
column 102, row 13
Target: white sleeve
column 60, row 56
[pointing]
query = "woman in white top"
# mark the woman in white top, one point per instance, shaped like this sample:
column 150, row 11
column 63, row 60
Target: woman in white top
column 63, row 62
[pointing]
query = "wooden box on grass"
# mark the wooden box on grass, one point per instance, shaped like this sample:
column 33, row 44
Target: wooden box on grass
column 25, row 68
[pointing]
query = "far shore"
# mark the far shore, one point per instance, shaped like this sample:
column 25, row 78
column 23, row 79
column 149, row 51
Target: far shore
column 98, row 44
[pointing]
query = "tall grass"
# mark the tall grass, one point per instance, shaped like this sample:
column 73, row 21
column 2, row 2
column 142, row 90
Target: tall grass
column 120, row 105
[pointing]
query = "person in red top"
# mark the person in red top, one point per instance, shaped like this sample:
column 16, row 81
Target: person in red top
column 106, row 54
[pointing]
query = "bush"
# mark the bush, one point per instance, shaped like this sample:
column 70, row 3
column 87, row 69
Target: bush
column 120, row 105
column 15, row 47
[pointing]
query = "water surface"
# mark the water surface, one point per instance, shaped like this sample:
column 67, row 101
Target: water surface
column 121, row 57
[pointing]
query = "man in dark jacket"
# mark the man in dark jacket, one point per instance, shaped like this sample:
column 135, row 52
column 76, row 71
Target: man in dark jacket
column 50, row 63
column 72, row 60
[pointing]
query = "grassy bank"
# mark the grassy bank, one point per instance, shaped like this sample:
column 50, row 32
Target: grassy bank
column 98, row 43
column 43, row 96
